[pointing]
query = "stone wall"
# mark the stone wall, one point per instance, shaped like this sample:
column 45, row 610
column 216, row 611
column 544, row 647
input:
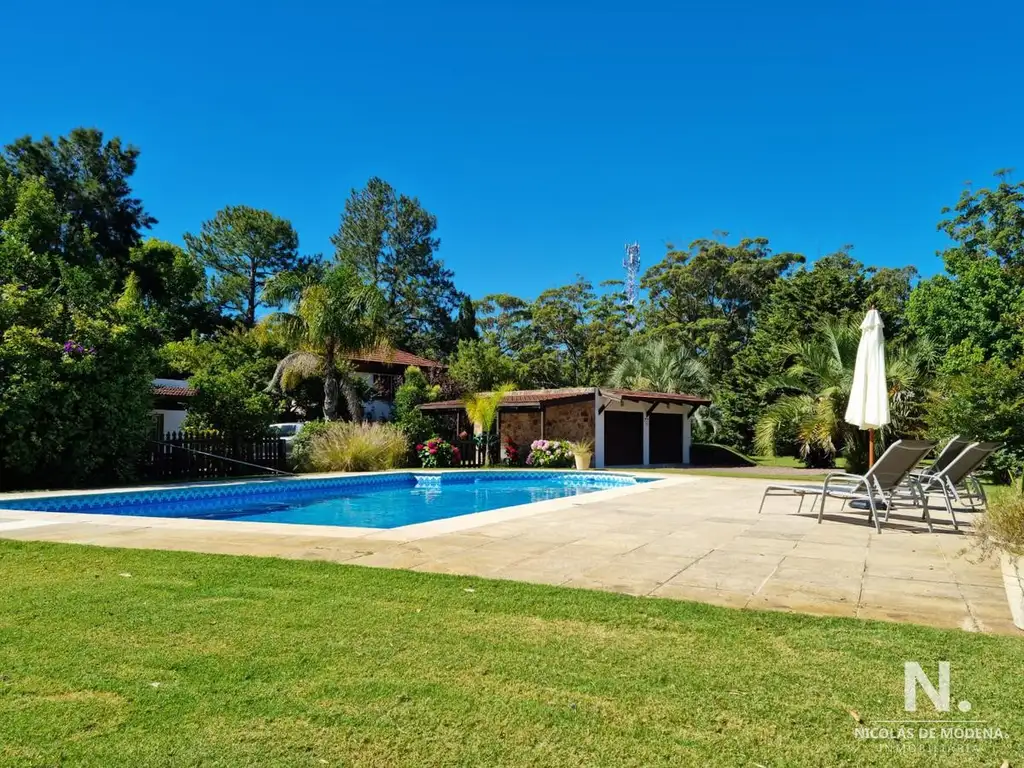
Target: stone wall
column 571, row 421
column 522, row 426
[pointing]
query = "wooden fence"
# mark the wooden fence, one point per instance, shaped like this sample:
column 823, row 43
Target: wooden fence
column 178, row 456
column 473, row 455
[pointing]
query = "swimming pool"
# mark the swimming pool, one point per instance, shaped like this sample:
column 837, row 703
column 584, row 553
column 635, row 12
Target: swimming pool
column 386, row 500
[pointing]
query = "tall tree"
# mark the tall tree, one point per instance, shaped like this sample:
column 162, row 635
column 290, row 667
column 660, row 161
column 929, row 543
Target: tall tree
column 333, row 314
column 88, row 178
column 835, row 287
column 465, row 322
column 173, row 284
column 244, row 247
column 388, row 239
column 980, row 299
column 707, row 296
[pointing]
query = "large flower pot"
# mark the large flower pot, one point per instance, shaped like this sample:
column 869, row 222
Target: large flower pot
column 1013, row 581
column 582, row 460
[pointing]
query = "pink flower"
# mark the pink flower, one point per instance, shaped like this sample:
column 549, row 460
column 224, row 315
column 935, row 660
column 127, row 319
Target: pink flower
column 419, row 447
column 433, row 449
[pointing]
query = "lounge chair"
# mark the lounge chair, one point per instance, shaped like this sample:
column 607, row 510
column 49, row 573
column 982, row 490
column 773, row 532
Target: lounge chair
column 876, row 487
column 958, row 475
column 949, row 451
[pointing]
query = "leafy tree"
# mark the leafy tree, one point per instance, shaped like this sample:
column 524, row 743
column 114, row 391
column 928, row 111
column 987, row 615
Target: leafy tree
column 174, row 284
column 655, row 365
column 482, row 410
column 415, row 391
column 88, row 179
column 980, row 299
column 984, row 401
column 76, row 339
column 479, row 366
column 244, row 247
column 568, row 336
column 465, row 323
column 229, row 371
column 75, row 396
column 334, row 315
column 816, row 384
column 707, row 297
column 387, row 239
column 506, row 322
column 835, row 287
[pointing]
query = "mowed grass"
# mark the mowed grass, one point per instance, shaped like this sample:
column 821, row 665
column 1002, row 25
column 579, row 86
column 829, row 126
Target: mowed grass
column 136, row 658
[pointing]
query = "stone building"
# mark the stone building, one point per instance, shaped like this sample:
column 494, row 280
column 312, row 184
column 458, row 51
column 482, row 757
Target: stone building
column 627, row 428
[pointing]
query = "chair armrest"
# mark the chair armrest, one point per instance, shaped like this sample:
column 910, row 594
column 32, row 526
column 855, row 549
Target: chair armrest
column 859, row 480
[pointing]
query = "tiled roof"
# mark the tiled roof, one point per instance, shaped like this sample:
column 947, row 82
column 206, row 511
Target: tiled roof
column 548, row 396
column 165, row 391
column 395, row 357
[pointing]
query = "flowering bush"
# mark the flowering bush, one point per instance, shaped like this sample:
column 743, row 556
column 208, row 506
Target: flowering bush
column 549, row 453
column 513, row 458
column 438, row 453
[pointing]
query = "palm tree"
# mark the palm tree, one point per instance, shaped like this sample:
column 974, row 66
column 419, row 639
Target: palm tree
column 482, row 410
column 333, row 315
column 655, row 366
column 817, row 384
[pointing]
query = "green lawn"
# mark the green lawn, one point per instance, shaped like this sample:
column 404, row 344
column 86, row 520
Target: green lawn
column 132, row 658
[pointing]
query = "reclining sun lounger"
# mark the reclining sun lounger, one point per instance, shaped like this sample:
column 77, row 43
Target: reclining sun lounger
column 957, row 474
column 876, row 487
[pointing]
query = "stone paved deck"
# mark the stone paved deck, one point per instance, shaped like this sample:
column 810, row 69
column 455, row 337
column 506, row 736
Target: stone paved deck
column 699, row 538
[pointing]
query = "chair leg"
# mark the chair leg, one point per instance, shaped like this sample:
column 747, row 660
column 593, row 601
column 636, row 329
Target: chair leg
column 874, row 511
column 978, row 490
column 949, row 508
column 799, row 509
column 926, row 515
column 821, row 509
column 762, row 501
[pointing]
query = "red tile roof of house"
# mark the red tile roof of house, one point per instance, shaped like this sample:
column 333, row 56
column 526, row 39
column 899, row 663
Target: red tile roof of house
column 165, row 391
column 395, row 357
column 551, row 396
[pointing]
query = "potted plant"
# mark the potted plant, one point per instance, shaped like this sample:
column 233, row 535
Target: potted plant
column 582, row 451
column 1001, row 530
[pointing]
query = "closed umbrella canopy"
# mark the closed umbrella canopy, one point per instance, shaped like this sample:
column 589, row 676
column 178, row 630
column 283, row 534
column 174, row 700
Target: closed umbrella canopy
column 869, row 396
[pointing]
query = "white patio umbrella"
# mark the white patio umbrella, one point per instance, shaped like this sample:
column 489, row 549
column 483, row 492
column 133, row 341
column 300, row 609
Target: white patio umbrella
column 869, row 396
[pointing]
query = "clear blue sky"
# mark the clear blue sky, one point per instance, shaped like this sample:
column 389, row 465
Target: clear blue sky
column 543, row 135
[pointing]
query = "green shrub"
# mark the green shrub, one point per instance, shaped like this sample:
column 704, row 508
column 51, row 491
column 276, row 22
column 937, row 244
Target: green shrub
column 346, row 446
column 302, row 445
column 415, row 390
column 438, row 453
column 1001, row 528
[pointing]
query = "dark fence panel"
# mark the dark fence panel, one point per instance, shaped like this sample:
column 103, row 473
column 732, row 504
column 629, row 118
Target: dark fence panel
column 473, row 455
column 178, row 456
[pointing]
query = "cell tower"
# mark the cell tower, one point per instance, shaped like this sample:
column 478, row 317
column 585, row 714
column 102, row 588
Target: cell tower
column 632, row 266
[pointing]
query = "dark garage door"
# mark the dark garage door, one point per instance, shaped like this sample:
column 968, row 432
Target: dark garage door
column 666, row 438
column 623, row 438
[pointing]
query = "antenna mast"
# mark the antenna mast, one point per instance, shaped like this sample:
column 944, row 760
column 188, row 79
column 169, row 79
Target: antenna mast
column 632, row 266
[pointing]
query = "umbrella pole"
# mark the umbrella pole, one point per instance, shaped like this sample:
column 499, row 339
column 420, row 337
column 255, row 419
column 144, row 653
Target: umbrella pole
column 871, row 448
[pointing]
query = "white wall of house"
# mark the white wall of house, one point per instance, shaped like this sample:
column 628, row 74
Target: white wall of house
column 172, row 419
column 613, row 404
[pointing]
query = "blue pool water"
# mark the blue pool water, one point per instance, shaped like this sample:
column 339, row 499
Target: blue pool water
column 369, row 501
